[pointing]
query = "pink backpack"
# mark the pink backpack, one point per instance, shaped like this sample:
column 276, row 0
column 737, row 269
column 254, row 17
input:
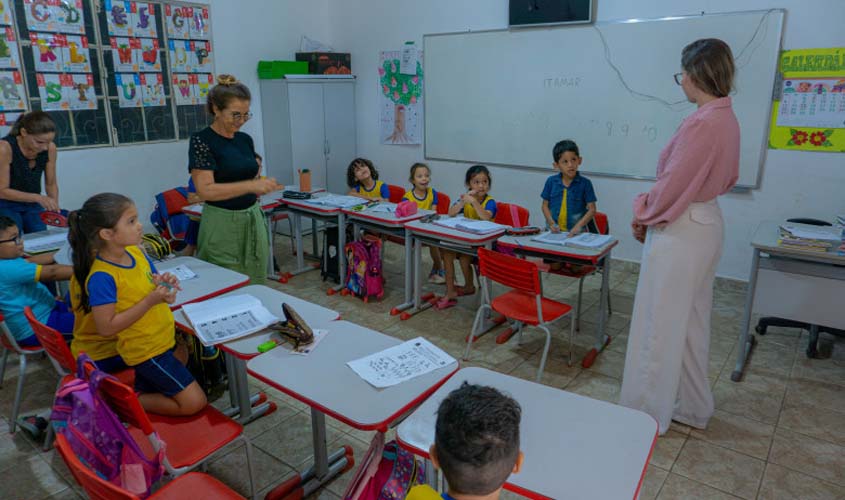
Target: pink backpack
column 98, row 437
column 387, row 473
column 363, row 268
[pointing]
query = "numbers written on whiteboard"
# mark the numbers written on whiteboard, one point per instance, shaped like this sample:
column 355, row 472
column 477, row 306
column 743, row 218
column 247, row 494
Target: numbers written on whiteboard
column 625, row 129
column 562, row 82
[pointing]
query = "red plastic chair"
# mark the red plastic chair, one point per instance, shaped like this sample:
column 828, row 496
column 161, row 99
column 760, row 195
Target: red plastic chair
column 396, row 193
column 191, row 485
column 443, row 203
column 7, row 340
column 511, row 214
column 603, row 225
column 524, row 304
column 189, row 441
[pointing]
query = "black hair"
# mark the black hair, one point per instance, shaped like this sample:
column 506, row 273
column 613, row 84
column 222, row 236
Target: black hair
column 34, row 122
column 414, row 168
column 101, row 211
column 228, row 87
column 351, row 181
column 475, row 170
column 7, row 222
column 562, row 147
column 477, row 438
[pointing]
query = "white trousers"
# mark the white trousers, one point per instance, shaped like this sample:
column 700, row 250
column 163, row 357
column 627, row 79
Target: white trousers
column 669, row 340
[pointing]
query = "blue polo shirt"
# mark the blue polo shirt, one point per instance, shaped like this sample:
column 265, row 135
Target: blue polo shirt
column 579, row 193
column 20, row 287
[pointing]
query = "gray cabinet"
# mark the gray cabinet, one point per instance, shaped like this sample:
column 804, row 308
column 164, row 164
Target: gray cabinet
column 309, row 124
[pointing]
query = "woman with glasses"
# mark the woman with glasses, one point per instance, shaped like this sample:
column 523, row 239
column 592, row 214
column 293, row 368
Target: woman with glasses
column 26, row 155
column 680, row 223
column 224, row 167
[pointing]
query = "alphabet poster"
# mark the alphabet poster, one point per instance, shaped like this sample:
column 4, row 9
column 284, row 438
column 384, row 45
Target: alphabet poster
column 47, row 52
column 76, row 54
column 6, row 122
column 40, row 15
column 80, row 91
column 199, row 28
column 203, row 85
column 183, row 89
column 8, row 48
column 70, row 17
column 181, row 56
column 400, row 100
column 152, row 89
column 201, row 52
column 5, row 18
column 125, row 54
column 51, row 92
column 175, row 20
column 150, row 55
column 128, row 90
column 143, row 19
column 12, row 95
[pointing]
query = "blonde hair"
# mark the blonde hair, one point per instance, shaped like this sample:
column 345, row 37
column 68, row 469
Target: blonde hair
column 710, row 64
column 228, row 88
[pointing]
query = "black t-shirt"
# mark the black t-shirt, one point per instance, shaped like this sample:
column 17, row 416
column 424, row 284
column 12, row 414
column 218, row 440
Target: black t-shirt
column 231, row 160
column 22, row 177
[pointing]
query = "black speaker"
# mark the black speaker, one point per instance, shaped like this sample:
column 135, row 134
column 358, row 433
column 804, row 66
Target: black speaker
column 549, row 12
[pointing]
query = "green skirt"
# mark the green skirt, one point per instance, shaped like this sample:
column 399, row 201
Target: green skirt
column 236, row 240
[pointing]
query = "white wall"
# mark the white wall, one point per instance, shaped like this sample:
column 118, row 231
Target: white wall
column 793, row 183
column 243, row 33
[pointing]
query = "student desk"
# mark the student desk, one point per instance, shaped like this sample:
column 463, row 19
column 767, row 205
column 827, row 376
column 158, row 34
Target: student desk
column 332, row 215
column 324, row 382
column 443, row 237
column 525, row 246
column 389, row 224
column 32, row 238
column 240, row 350
column 211, row 281
column 575, row 447
column 793, row 284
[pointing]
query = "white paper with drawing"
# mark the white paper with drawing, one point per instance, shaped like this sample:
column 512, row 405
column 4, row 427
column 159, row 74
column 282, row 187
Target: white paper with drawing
column 400, row 98
column 400, row 363
column 227, row 318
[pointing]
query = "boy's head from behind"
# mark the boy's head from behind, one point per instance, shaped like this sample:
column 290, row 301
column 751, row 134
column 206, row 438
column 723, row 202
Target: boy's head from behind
column 566, row 157
column 476, row 441
column 9, row 235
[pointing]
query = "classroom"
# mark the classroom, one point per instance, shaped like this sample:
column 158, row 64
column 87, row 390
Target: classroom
column 690, row 342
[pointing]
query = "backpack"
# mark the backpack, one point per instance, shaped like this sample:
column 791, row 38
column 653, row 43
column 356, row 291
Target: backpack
column 206, row 364
column 363, row 268
column 168, row 218
column 387, row 473
column 98, row 437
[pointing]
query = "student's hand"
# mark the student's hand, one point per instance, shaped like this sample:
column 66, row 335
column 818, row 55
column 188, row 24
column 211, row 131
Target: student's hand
column 167, row 278
column 575, row 230
column 48, row 203
column 467, row 198
column 639, row 231
column 161, row 294
column 554, row 228
column 264, row 186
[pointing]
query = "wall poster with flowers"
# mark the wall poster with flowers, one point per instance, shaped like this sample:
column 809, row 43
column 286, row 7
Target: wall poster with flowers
column 400, row 100
column 810, row 114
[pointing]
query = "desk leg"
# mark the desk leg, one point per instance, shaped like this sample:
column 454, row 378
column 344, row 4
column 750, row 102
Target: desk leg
column 409, row 276
column 271, row 258
column 602, row 339
column 314, row 235
column 418, row 305
column 300, row 251
column 341, row 250
column 246, row 412
column 746, row 340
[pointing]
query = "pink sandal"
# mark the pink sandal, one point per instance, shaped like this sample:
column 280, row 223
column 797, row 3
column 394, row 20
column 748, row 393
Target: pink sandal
column 445, row 303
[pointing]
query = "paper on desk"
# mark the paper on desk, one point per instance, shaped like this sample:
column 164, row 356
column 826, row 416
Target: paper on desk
column 227, row 318
column 450, row 222
column 48, row 242
column 305, row 350
column 182, row 272
column 336, row 200
column 400, row 363
column 828, row 233
column 551, row 238
column 389, row 208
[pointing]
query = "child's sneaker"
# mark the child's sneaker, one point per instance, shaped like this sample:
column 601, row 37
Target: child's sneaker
column 437, row 277
column 33, row 424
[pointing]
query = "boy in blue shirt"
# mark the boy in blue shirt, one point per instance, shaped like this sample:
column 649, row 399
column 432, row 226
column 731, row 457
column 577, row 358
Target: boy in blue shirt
column 476, row 444
column 569, row 202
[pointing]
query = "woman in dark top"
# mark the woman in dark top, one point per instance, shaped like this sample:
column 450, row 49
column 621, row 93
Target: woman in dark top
column 225, row 171
column 26, row 154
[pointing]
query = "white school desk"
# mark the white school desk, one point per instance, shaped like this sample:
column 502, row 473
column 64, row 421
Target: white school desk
column 443, row 237
column 240, row 350
column 600, row 257
column 575, row 446
column 323, row 381
column 331, row 215
column 279, row 196
column 792, row 284
column 28, row 238
column 211, row 280
column 389, row 224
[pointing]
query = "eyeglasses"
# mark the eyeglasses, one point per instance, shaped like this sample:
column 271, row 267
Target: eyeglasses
column 240, row 116
column 679, row 77
column 17, row 239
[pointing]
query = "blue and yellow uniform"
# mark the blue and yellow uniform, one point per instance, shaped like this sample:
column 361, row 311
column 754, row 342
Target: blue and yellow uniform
column 428, row 202
column 379, row 190
column 426, row 492
column 488, row 204
column 567, row 204
column 20, row 286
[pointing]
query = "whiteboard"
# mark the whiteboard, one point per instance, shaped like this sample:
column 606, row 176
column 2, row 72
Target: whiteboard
column 506, row 97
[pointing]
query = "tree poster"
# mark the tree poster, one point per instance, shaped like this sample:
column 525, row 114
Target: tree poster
column 401, row 110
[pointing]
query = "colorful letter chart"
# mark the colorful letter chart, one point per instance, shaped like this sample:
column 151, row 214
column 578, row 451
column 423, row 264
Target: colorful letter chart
column 152, row 86
column 129, row 92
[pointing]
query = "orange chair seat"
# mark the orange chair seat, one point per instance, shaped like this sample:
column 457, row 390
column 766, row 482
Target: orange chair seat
column 195, row 485
column 522, row 306
column 190, row 439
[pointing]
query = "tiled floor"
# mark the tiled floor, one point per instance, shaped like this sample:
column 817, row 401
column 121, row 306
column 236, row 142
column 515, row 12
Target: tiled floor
column 779, row 434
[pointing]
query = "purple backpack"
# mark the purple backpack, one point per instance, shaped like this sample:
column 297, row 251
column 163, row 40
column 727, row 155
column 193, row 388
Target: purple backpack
column 98, row 437
column 363, row 272
column 387, row 472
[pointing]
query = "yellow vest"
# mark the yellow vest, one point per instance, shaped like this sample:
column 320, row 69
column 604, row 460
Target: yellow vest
column 374, row 193
column 85, row 336
column 469, row 210
column 427, row 203
column 423, row 492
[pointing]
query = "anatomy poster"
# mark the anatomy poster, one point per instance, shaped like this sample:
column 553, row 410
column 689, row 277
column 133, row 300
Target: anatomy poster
column 400, row 104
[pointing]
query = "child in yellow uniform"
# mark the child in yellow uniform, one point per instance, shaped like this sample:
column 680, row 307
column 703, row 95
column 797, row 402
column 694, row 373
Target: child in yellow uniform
column 362, row 179
column 426, row 199
column 126, row 298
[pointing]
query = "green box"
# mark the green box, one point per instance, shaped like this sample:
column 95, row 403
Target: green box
column 272, row 70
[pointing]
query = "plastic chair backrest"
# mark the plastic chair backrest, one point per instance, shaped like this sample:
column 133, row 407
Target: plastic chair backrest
column 396, row 193
column 512, row 272
column 123, row 400
column 602, row 223
column 511, row 214
column 7, row 340
column 96, row 487
column 443, row 202
column 52, row 341
column 811, row 222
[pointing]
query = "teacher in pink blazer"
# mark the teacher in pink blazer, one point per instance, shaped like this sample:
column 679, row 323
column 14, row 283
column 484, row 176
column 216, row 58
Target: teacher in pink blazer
column 681, row 225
